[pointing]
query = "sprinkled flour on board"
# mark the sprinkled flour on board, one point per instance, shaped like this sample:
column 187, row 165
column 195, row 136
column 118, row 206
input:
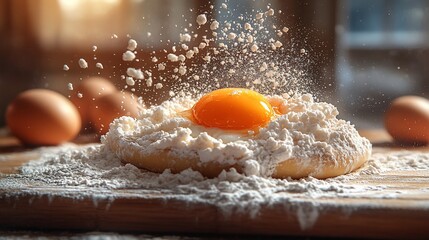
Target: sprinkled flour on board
column 98, row 169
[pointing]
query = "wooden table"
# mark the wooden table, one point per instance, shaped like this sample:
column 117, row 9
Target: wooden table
column 372, row 217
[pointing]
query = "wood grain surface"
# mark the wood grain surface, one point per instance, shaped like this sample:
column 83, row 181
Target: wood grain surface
column 403, row 216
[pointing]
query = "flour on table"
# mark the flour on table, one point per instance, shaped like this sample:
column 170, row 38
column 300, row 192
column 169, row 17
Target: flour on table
column 97, row 168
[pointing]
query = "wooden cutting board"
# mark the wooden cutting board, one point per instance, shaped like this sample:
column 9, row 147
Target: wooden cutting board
column 370, row 216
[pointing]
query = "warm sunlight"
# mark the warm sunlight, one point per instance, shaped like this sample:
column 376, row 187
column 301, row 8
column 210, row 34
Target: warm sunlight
column 94, row 6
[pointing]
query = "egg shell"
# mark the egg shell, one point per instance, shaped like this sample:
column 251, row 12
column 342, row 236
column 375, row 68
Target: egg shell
column 111, row 106
column 91, row 89
column 407, row 120
column 42, row 117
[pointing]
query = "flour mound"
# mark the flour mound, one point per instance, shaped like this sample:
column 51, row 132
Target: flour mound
column 306, row 130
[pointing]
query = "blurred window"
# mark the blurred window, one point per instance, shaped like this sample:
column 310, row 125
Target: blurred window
column 386, row 23
column 381, row 53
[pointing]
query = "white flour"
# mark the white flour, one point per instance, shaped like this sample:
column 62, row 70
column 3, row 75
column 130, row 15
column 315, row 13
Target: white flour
column 101, row 172
column 82, row 63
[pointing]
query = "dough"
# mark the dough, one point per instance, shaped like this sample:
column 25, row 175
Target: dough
column 323, row 167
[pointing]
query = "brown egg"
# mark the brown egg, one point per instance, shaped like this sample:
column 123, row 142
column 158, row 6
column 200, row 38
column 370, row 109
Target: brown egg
column 407, row 120
column 111, row 106
column 88, row 91
column 42, row 117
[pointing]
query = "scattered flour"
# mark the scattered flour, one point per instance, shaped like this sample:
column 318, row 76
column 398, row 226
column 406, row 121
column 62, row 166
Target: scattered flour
column 214, row 25
column 173, row 57
column 128, row 56
column 201, row 19
column 83, row 63
column 95, row 167
column 185, row 37
column 398, row 161
column 130, row 81
column 132, row 45
column 99, row 65
column 135, row 73
column 236, row 46
column 254, row 48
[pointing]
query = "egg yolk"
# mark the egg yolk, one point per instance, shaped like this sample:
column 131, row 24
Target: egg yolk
column 232, row 109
